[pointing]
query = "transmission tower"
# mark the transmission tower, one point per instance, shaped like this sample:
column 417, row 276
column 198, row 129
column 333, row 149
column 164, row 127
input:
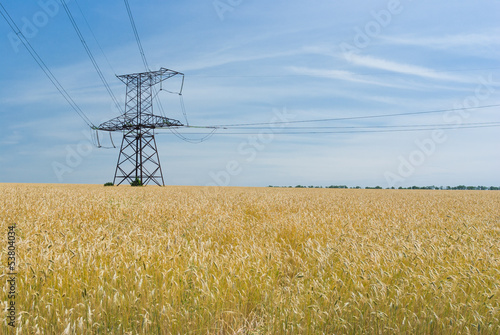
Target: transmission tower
column 138, row 158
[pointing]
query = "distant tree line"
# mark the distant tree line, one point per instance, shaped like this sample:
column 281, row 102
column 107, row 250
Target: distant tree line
column 460, row 187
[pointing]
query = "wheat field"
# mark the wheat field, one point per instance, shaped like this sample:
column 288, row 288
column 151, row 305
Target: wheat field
column 200, row 260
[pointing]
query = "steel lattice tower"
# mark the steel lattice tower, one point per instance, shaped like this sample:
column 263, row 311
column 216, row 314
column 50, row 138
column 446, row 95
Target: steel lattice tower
column 138, row 156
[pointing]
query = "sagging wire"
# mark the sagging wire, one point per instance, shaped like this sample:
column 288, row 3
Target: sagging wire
column 359, row 131
column 193, row 141
column 97, row 143
column 172, row 92
column 183, row 107
column 111, row 139
column 357, row 117
column 197, row 141
column 158, row 101
column 184, row 113
column 93, row 138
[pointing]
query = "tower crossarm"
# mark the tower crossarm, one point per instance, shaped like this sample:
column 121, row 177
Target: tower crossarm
column 152, row 77
column 125, row 122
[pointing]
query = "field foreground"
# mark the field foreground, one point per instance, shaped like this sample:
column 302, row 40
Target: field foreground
column 196, row 260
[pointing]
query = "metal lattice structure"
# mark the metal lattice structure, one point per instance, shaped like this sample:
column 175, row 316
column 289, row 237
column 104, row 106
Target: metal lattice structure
column 138, row 158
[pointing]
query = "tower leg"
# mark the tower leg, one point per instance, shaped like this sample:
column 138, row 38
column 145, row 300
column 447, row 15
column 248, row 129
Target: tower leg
column 139, row 159
column 118, row 163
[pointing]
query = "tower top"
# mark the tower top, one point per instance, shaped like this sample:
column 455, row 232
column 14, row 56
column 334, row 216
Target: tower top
column 139, row 105
column 155, row 76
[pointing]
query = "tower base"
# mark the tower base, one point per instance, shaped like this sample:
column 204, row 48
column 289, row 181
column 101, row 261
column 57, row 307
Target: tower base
column 139, row 159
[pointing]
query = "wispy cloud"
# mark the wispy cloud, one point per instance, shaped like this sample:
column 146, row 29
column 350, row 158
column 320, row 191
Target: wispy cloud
column 402, row 68
column 488, row 39
column 374, row 79
column 11, row 139
column 221, row 59
column 340, row 75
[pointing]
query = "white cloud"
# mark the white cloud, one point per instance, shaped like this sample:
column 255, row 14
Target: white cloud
column 11, row 139
column 487, row 39
column 335, row 74
column 409, row 69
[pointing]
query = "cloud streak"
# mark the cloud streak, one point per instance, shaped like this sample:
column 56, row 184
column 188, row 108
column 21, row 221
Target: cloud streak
column 469, row 40
column 401, row 68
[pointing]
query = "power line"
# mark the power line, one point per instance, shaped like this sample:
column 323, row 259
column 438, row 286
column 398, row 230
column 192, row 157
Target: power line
column 43, row 66
column 136, row 34
column 95, row 38
column 183, row 107
column 158, row 101
column 436, row 125
column 91, row 56
column 353, row 117
column 284, row 132
column 189, row 140
column 143, row 54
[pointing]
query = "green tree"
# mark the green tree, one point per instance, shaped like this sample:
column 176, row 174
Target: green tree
column 136, row 182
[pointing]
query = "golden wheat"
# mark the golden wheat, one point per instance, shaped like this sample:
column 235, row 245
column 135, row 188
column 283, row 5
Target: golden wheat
column 195, row 260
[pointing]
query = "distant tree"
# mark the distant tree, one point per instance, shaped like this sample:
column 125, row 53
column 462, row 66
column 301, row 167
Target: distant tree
column 432, row 187
column 109, row 184
column 136, row 182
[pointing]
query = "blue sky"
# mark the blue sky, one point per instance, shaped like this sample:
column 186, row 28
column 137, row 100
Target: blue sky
column 253, row 61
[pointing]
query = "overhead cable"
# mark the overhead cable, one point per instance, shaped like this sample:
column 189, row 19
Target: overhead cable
column 284, row 132
column 136, row 34
column 435, row 125
column 91, row 56
column 356, row 117
column 43, row 66
column 94, row 36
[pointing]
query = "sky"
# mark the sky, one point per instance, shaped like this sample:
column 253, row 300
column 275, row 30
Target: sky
column 256, row 61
